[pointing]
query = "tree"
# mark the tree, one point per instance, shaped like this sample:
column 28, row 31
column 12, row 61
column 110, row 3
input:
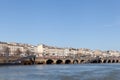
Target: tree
column 6, row 52
column 18, row 52
column 1, row 54
column 28, row 52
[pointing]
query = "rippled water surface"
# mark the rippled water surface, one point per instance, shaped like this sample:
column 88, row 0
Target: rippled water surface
column 61, row 72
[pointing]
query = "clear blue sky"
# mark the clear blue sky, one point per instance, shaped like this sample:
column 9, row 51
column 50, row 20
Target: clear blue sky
column 93, row 24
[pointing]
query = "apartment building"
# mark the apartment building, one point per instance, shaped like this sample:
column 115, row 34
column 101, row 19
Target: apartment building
column 46, row 50
column 13, row 47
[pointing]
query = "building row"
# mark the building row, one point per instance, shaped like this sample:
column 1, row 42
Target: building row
column 43, row 50
column 14, row 47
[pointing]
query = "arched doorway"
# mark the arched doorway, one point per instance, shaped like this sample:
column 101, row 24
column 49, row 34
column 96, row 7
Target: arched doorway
column 67, row 62
column 113, row 61
column 94, row 61
column 99, row 61
column 109, row 61
column 117, row 61
column 49, row 61
column 75, row 61
column 104, row 61
column 59, row 62
column 82, row 61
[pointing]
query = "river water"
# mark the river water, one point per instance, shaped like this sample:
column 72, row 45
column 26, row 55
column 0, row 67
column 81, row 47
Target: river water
column 61, row 72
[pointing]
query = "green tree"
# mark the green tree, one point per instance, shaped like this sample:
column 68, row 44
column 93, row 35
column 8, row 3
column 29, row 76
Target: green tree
column 28, row 52
column 18, row 52
column 1, row 52
column 6, row 52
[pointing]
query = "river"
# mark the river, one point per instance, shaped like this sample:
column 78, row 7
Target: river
column 61, row 72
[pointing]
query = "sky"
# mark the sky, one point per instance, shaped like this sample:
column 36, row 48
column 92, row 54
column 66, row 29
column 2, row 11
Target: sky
column 93, row 24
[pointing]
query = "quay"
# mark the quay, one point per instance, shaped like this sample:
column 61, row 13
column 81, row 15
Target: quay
column 73, row 60
column 33, row 60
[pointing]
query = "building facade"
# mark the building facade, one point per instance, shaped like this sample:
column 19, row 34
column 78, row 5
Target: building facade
column 43, row 50
column 15, row 48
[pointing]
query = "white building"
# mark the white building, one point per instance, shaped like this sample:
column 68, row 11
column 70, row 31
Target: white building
column 13, row 47
column 45, row 50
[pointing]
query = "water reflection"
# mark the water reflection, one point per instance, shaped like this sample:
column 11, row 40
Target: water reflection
column 61, row 72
